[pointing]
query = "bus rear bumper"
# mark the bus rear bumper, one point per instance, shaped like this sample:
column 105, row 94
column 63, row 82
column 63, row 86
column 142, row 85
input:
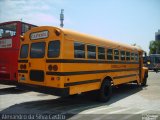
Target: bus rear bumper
column 43, row 89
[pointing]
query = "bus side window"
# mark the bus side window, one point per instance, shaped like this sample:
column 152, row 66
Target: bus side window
column 123, row 55
column 25, row 28
column 91, row 51
column 101, row 53
column 79, row 50
column 116, row 54
column 53, row 49
column 136, row 57
column 109, row 54
column 132, row 56
column 127, row 56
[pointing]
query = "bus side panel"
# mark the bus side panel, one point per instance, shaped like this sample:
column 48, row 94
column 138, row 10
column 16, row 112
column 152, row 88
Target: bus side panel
column 144, row 73
column 82, row 83
column 8, row 64
column 14, row 65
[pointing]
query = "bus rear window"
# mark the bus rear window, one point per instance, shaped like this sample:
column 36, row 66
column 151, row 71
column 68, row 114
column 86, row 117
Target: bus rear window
column 37, row 50
column 24, row 51
column 54, row 49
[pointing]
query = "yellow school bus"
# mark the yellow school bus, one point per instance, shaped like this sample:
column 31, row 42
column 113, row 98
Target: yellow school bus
column 63, row 62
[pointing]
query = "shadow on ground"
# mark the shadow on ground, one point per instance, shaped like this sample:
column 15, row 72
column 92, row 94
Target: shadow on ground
column 11, row 90
column 70, row 105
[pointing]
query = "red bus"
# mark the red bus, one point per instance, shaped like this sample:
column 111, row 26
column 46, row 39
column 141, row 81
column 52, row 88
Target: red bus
column 9, row 46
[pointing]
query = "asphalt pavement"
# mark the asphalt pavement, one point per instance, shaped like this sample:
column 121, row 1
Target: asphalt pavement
column 127, row 102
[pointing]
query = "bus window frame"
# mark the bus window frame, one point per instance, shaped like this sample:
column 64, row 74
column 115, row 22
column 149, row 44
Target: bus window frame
column 121, row 55
column 23, row 27
column 16, row 30
column 74, row 50
column 36, row 57
column 48, row 49
column 128, row 56
column 98, row 52
column 109, row 54
column 133, row 56
column 95, row 51
column 116, row 55
column 30, row 27
column 27, row 51
column 136, row 58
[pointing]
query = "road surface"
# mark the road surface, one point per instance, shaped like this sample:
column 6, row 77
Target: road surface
column 127, row 102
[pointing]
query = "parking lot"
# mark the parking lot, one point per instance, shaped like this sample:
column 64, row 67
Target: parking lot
column 127, row 102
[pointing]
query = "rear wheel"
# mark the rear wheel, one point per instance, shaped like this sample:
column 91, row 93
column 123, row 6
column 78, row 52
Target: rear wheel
column 105, row 91
column 73, row 96
column 156, row 70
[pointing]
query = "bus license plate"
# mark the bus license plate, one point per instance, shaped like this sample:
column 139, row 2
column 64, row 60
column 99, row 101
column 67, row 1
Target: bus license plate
column 23, row 78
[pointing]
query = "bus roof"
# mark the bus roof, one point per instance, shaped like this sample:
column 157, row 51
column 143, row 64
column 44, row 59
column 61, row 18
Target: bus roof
column 98, row 40
column 92, row 39
column 8, row 22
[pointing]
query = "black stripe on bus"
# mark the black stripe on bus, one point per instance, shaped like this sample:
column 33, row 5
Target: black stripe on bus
column 22, row 71
column 118, row 77
column 85, row 61
column 88, row 72
column 81, row 82
column 23, row 61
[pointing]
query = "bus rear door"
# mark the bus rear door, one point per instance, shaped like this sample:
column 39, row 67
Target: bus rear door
column 37, row 63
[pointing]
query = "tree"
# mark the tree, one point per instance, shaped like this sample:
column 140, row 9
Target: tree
column 154, row 47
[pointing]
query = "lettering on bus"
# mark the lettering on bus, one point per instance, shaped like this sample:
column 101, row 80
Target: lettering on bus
column 39, row 35
column 118, row 66
column 6, row 43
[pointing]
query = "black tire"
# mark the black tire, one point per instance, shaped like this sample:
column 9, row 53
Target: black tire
column 105, row 91
column 73, row 96
column 156, row 70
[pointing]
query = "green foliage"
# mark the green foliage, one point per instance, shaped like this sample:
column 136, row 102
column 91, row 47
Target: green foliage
column 154, row 47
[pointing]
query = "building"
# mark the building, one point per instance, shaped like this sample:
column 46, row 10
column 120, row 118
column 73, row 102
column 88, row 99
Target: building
column 157, row 38
column 157, row 35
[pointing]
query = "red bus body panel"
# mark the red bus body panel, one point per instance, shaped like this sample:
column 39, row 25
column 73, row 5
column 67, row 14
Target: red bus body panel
column 9, row 56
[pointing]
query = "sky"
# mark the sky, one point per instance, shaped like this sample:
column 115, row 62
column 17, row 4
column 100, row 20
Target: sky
column 126, row 21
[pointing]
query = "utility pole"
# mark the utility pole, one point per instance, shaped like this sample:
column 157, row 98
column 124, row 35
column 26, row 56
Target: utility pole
column 61, row 18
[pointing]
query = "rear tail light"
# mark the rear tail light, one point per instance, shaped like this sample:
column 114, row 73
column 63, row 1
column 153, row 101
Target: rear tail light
column 23, row 66
column 55, row 67
column 50, row 67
